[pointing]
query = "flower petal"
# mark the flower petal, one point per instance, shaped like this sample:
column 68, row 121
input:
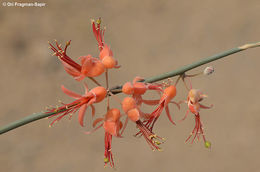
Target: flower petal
column 86, row 88
column 70, row 93
column 82, row 111
column 93, row 110
column 169, row 115
column 98, row 120
column 151, row 102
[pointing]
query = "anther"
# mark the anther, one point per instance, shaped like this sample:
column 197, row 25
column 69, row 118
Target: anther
column 98, row 21
column 67, row 43
column 152, row 136
column 207, row 144
column 106, row 160
column 157, row 142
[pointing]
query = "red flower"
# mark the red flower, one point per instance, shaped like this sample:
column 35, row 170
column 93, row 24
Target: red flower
column 90, row 66
column 194, row 97
column 106, row 54
column 112, row 125
column 168, row 94
column 98, row 33
column 137, row 89
column 81, row 103
column 134, row 114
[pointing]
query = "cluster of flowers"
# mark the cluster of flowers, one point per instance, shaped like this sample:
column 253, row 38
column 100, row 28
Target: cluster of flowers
column 131, row 105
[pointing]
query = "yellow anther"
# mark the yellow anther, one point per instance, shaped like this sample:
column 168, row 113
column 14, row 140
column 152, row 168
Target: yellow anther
column 207, row 144
column 157, row 142
column 98, row 21
column 152, row 136
column 106, row 160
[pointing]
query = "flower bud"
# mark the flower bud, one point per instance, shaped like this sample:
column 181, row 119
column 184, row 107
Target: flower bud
column 208, row 70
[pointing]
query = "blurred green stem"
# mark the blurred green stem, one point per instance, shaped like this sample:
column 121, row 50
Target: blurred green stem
column 117, row 89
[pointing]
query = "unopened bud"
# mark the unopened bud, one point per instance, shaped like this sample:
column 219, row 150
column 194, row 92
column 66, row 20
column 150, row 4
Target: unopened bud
column 208, row 70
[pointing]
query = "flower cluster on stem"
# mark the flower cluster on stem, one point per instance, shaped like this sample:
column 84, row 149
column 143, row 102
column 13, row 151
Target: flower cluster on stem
column 132, row 104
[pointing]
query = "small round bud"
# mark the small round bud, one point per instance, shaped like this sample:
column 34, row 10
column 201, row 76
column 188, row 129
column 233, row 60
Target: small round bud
column 208, row 70
column 207, row 144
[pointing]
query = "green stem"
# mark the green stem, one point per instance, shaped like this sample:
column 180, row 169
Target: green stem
column 117, row 89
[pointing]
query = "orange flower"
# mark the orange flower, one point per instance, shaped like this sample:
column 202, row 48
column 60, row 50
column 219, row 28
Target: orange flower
column 90, row 66
column 168, row 94
column 106, row 54
column 193, row 101
column 137, row 89
column 81, row 103
column 112, row 125
column 98, row 33
column 134, row 114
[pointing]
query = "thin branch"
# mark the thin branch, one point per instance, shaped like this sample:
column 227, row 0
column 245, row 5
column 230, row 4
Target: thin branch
column 117, row 89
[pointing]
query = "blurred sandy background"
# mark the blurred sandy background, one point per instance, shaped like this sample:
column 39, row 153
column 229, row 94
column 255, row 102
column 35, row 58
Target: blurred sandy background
column 147, row 38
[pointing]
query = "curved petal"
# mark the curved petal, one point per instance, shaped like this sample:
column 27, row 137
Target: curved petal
column 177, row 104
column 205, row 107
column 93, row 110
column 70, row 69
column 87, row 64
column 124, row 126
column 98, row 120
column 151, row 102
column 95, row 129
column 80, row 77
column 86, row 88
column 70, row 93
column 169, row 115
column 82, row 111
column 138, row 78
column 186, row 114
